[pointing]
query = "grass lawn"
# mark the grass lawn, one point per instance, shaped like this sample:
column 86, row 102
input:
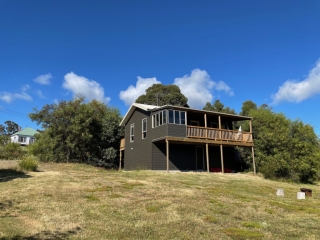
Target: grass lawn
column 74, row 201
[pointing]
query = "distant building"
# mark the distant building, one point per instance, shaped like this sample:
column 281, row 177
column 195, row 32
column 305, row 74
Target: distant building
column 24, row 137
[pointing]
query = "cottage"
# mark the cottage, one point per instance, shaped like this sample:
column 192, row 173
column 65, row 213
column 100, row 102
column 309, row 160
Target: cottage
column 24, row 137
column 184, row 139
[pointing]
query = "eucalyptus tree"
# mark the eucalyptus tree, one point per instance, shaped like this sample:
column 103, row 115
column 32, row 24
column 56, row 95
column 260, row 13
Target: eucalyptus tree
column 75, row 131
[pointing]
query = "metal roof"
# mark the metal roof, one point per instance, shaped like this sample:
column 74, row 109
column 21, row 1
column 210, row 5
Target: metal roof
column 146, row 107
column 133, row 107
column 26, row 132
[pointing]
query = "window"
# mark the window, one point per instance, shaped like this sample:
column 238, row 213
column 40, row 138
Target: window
column 177, row 117
column 22, row 139
column 157, row 120
column 183, row 118
column 160, row 118
column 132, row 132
column 171, row 119
column 168, row 116
column 144, row 128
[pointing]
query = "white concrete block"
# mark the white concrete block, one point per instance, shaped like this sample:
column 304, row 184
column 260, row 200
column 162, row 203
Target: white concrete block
column 280, row 192
column 301, row 195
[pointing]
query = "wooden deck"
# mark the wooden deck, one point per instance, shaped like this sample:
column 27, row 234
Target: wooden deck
column 219, row 134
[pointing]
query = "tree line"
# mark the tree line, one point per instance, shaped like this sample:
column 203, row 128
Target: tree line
column 89, row 132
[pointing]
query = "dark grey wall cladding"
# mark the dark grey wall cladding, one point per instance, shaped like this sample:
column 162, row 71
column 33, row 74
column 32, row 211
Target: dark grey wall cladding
column 159, row 132
column 176, row 130
column 138, row 154
column 159, row 161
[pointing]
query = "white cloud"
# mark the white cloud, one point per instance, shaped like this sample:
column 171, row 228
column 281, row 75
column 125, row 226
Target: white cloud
column 132, row 93
column 222, row 86
column 40, row 94
column 9, row 97
column 198, row 87
column 295, row 91
column 80, row 85
column 43, row 79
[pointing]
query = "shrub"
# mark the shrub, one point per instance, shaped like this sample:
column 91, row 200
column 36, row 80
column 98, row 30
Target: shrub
column 29, row 163
column 11, row 151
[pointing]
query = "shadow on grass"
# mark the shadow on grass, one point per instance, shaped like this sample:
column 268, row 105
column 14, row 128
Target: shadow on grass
column 7, row 175
column 46, row 235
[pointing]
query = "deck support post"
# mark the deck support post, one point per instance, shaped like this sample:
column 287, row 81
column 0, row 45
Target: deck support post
column 253, row 162
column 221, row 155
column 167, row 150
column 207, row 156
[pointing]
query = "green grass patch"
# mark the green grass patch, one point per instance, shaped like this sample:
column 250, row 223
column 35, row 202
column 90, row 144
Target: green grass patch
column 252, row 225
column 91, row 198
column 100, row 189
column 242, row 234
column 152, row 209
column 115, row 195
column 132, row 185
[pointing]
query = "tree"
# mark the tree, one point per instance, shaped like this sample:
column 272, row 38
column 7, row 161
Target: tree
column 159, row 95
column 283, row 148
column 11, row 128
column 2, row 130
column 247, row 106
column 218, row 106
column 75, row 131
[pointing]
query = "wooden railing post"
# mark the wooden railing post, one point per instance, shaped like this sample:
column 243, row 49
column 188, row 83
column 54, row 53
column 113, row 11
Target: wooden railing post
column 219, row 118
column 205, row 124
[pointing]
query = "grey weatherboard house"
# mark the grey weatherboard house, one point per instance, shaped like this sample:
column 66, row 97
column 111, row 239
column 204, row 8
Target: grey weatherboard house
column 184, row 139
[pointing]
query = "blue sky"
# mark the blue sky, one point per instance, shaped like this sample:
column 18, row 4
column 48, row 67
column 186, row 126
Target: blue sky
column 264, row 51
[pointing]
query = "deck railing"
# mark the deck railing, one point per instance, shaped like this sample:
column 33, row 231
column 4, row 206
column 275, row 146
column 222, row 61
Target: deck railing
column 218, row 134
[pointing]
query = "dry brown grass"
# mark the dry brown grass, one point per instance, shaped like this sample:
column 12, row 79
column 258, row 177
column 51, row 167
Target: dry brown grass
column 73, row 201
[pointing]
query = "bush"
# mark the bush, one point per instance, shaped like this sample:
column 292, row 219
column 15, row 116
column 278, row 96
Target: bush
column 29, row 163
column 11, row 151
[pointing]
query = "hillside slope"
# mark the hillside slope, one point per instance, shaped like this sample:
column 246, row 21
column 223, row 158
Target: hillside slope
column 76, row 201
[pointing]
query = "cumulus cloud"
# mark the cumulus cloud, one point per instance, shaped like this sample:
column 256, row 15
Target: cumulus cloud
column 295, row 91
column 133, row 92
column 198, row 87
column 9, row 97
column 43, row 79
column 80, row 85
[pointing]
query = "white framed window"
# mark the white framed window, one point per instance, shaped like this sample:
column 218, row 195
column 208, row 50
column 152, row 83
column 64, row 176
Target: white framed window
column 22, row 139
column 183, row 118
column 164, row 116
column 132, row 132
column 144, row 128
column 171, row 116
